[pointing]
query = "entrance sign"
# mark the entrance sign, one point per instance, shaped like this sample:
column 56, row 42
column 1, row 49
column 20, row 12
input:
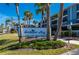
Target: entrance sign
column 34, row 32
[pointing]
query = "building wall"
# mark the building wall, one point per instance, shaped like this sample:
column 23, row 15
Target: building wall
column 70, row 20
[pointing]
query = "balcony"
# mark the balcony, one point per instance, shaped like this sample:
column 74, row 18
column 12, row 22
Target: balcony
column 65, row 23
column 54, row 25
column 54, row 22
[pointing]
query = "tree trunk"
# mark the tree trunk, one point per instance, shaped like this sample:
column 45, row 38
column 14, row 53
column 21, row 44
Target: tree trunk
column 59, row 26
column 29, row 22
column 25, row 22
column 19, row 33
column 42, row 16
column 48, row 23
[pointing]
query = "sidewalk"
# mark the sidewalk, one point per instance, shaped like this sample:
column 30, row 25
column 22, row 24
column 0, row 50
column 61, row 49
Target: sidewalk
column 71, row 41
column 73, row 52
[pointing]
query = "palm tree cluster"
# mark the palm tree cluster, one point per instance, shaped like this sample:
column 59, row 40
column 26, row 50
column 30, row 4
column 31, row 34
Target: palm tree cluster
column 44, row 9
column 27, row 17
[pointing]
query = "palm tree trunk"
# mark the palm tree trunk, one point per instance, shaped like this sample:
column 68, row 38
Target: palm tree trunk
column 29, row 22
column 25, row 22
column 19, row 33
column 59, row 26
column 42, row 14
column 48, row 23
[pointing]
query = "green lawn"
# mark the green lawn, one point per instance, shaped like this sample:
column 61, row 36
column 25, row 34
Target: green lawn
column 10, row 39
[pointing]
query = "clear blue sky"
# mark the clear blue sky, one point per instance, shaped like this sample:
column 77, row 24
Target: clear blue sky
column 10, row 11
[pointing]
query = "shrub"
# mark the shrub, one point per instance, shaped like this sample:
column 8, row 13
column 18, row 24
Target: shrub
column 57, row 44
column 39, row 44
column 33, row 41
column 13, row 31
column 47, row 45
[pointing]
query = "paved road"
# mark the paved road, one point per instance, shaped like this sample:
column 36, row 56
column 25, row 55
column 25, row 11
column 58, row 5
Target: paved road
column 73, row 52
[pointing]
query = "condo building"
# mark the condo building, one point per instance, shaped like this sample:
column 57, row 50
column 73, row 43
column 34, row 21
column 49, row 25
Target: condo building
column 70, row 21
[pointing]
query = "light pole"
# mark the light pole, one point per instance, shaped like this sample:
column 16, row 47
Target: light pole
column 70, row 32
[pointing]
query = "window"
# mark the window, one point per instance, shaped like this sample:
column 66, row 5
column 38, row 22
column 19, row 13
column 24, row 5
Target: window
column 65, row 19
column 75, row 27
column 54, row 22
column 78, row 15
column 65, row 12
column 64, row 28
column 77, row 6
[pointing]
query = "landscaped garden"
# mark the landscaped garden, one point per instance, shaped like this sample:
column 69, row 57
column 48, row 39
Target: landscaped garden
column 9, row 45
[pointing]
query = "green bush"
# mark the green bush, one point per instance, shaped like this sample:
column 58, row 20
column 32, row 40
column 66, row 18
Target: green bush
column 47, row 45
column 13, row 31
column 40, row 44
column 33, row 41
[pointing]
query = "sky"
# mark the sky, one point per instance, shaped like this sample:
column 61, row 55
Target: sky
column 9, row 11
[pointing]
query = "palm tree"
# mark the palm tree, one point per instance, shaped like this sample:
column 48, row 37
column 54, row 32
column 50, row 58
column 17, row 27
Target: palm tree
column 35, row 23
column 45, row 8
column 41, row 9
column 59, row 27
column 48, row 22
column 17, row 12
column 28, row 16
column 7, row 22
column 2, row 27
column 24, row 19
column 19, row 25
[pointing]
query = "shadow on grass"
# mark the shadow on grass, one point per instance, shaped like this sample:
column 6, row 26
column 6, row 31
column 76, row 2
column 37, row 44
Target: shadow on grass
column 6, row 41
column 7, row 44
column 10, row 47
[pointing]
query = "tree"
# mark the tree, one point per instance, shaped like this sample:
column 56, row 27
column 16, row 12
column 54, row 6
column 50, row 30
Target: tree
column 7, row 23
column 59, row 27
column 1, row 27
column 41, row 9
column 24, row 19
column 45, row 8
column 17, row 12
column 28, row 16
column 19, row 25
column 35, row 23
column 48, row 22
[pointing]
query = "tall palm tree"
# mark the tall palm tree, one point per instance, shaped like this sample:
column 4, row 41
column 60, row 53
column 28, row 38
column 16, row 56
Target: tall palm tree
column 35, row 23
column 24, row 19
column 41, row 9
column 17, row 12
column 19, row 25
column 28, row 16
column 48, row 22
column 2, row 27
column 45, row 8
column 59, row 27
column 7, row 22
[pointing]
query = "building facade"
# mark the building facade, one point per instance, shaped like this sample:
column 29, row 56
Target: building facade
column 70, row 21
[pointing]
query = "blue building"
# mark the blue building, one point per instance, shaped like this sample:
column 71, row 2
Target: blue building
column 70, row 21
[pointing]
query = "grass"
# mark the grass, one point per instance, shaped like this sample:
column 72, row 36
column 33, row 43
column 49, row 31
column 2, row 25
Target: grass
column 9, row 36
column 10, row 39
column 39, row 52
column 7, row 40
